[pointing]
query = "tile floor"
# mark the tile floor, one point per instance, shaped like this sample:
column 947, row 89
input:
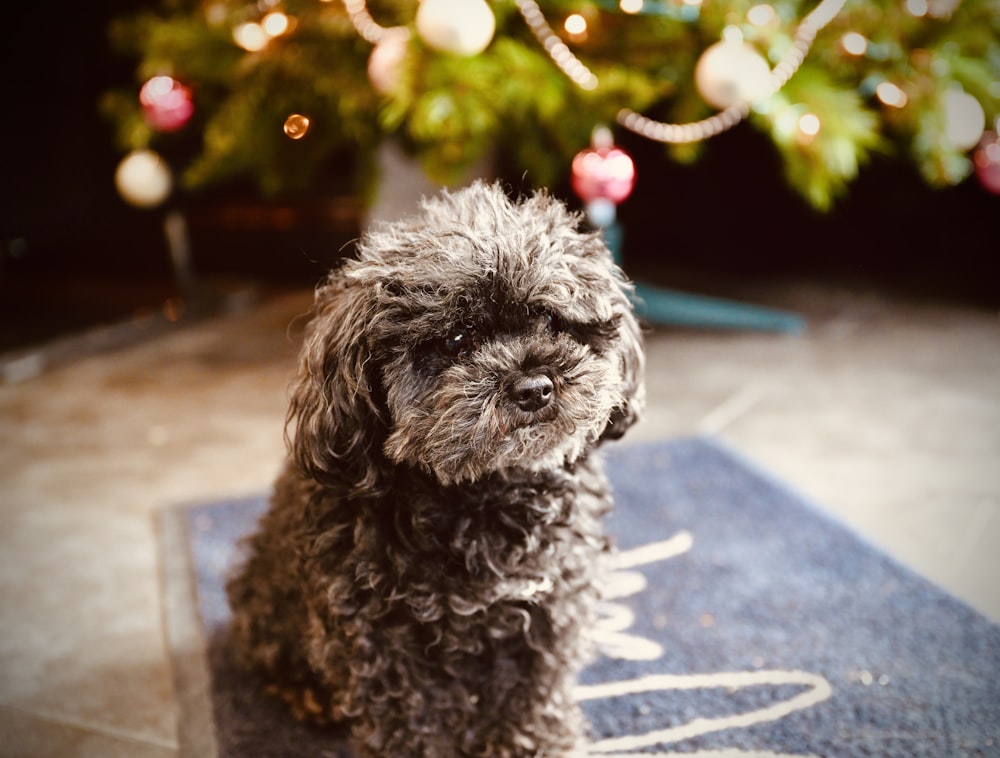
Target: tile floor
column 885, row 412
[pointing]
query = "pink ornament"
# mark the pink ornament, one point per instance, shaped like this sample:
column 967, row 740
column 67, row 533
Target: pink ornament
column 987, row 160
column 603, row 173
column 166, row 103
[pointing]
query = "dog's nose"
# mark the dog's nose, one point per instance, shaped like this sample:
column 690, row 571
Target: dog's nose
column 532, row 393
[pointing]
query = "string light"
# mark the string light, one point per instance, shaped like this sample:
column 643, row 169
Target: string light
column 251, row 36
column 762, row 15
column 891, row 95
column 254, row 37
column 854, row 43
column 275, row 24
column 575, row 25
column 809, row 126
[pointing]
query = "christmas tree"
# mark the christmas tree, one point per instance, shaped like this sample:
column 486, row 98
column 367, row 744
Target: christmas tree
column 276, row 90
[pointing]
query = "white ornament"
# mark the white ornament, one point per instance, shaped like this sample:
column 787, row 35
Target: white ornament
column 460, row 27
column 731, row 72
column 143, row 179
column 964, row 119
column 386, row 59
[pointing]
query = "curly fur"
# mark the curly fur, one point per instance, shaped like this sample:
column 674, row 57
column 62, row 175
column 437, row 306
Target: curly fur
column 427, row 566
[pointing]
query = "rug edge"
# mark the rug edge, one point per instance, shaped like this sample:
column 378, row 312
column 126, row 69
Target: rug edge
column 182, row 627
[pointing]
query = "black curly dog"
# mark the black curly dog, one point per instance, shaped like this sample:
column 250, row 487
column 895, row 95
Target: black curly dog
column 426, row 570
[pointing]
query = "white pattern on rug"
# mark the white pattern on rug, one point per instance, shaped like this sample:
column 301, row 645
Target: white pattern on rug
column 612, row 635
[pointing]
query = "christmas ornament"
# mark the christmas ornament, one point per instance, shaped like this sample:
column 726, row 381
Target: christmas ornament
column 603, row 172
column 731, row 72
column 459, row 27
column 166, row 103
column 386, row 59
column 987, row 162
column 143, row 179
column 964, row 119
column 296, row 126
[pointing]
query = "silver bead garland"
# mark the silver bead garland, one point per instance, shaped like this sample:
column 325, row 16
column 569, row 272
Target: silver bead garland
column 585, row 79
column 558, row 51
column 364, row 24
column 695, row 131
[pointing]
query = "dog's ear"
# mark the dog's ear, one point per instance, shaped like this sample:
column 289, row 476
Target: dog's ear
column 621, row 293
column 336, row 420
column 633, row 372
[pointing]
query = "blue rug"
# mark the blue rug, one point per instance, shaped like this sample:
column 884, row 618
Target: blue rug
column 740, row 621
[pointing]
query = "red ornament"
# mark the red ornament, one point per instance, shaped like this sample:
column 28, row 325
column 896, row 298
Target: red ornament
column 603, row 173
column 987, row 161
column 166, row 103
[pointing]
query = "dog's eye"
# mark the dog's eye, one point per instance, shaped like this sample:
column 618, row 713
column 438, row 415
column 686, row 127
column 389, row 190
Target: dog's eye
column 545, row 318
column 598, row 335
column 457, row 343
column 557, row 325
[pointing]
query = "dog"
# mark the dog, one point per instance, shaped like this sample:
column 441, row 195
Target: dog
column 428, row 564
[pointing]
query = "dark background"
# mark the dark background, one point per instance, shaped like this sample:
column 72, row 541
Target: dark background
column 73, row 254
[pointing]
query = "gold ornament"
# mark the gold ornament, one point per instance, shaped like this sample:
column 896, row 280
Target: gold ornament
column 296, row 126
